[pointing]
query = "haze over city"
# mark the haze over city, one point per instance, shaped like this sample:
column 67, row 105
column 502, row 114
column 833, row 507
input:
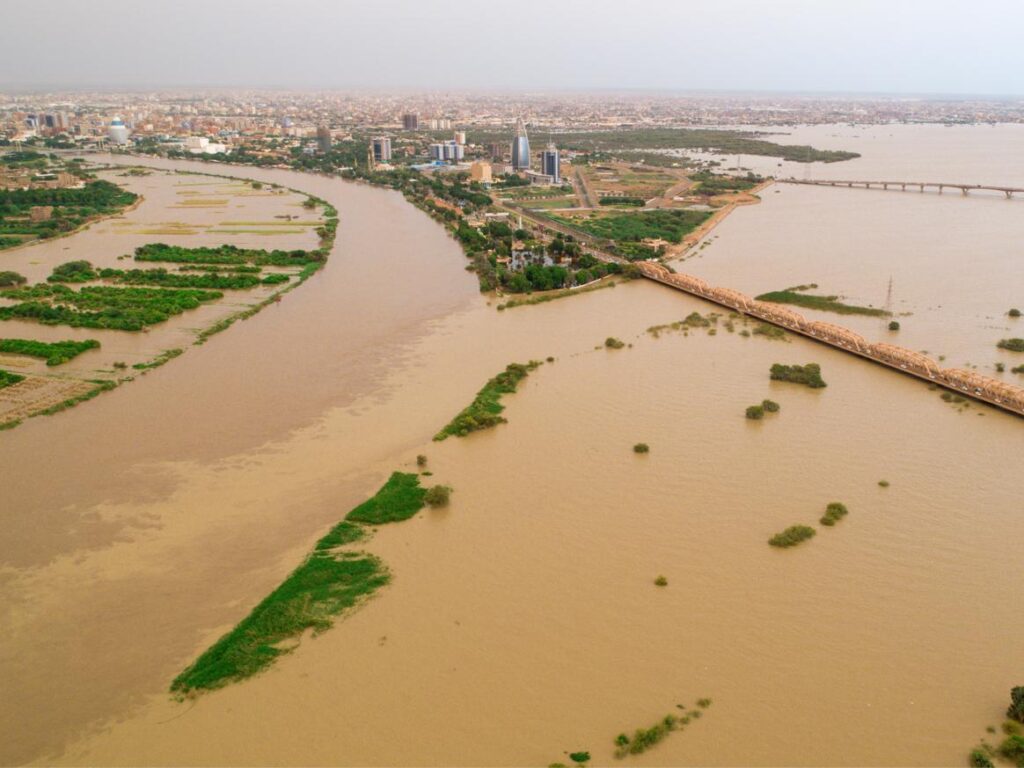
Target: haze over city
column 869, row 46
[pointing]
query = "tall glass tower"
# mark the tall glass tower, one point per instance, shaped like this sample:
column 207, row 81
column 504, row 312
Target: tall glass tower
column 549, row 164
column 520, row 148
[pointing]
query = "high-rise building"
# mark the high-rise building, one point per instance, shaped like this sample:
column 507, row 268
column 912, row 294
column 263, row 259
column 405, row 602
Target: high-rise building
column 497, row 151
column 460, row 137
column 118, row 131
column 481, row 171
column 447, row 151
column 382, row 149
column 549, row 164
column 520, row 147
column 323, row 139
column 410, row 121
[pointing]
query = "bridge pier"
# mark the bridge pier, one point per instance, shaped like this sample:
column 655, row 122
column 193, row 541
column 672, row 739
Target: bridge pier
column 1009, row 195
column 964, row 191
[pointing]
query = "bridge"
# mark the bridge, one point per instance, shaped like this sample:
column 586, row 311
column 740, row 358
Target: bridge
column 920, row 186
column 1001, row 394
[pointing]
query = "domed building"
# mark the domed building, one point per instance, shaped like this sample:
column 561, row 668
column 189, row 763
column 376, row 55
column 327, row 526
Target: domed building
column 118, row 131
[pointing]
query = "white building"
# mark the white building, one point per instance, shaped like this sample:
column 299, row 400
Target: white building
column 200, row 145
column 118, row 131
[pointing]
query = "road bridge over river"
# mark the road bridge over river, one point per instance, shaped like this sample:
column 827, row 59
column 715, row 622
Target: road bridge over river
column 999, row 393
column 920, row 186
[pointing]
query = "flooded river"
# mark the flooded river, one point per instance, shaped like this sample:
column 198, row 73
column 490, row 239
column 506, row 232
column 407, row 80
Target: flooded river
column 523, row 621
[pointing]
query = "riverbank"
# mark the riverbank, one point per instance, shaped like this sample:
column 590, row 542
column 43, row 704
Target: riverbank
column 681, row 250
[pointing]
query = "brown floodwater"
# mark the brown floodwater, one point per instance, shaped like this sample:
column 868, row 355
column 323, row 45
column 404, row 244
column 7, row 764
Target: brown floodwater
column 523, row 621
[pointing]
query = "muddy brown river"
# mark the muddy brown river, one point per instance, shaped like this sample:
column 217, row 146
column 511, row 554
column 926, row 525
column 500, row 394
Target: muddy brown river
column 522, row 622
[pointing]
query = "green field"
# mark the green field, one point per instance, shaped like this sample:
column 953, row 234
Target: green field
column 670, row 225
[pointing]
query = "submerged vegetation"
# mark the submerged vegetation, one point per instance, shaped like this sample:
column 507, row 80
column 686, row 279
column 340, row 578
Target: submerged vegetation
column 329, row 581
column 822, row 303
column 70, row 208
column 7, row 378
column 792, row 536
column 613, row 343
column 485, row 410
column 834, row 512
column 644, row 739
column 54, row 353
column 1013, row 345
column 757, row 412
column 101, row 306
column 808, row 375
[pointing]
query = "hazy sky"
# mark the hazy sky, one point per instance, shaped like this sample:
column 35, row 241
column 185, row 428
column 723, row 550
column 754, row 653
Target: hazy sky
column 898, row 46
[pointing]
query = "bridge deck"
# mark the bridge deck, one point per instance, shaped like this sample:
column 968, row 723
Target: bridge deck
column 1001, row 394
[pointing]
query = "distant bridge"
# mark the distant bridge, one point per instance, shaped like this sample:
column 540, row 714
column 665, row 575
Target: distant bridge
column 920, row 186
column 999, row 393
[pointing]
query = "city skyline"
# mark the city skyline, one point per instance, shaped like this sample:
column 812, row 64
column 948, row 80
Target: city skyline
column 912, row 48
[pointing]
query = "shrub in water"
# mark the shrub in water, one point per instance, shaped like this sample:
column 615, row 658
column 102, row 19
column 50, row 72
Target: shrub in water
column 641, row 448
column 834, row 512
column 438, row 495
column 792, row 536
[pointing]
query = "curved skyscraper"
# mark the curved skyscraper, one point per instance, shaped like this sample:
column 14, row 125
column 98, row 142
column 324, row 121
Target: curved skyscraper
column 521, row 148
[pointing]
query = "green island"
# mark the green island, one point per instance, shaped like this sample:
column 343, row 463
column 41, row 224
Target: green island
column 102, row 306
column 229, row 254
column 821, row 303
column 329, row 581
column 7, row 378
column 44, row 213
column 792, row 536
column 644, row 739
column 485, row 410
column 1013, row 345
column 236, row 279
column 834, row 512
column 54, row 353
column 809, row 375
column 171, row 293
